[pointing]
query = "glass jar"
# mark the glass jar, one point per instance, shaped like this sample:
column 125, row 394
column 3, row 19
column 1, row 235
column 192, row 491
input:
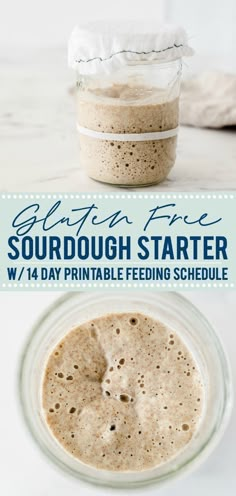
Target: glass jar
column 128, row 122
column 178, row 314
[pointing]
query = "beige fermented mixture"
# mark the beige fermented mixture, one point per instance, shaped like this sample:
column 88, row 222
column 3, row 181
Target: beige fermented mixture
column 122, row 392
column 126, row 109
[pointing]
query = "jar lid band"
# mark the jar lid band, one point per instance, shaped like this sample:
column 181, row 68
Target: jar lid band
column 153, row 136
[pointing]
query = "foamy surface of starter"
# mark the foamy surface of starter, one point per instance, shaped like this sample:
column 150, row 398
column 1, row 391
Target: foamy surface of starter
column 125, row 109
column 122, row 392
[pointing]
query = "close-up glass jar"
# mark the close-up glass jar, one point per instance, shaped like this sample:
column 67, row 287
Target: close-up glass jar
column 188, row 330
column 127, row 99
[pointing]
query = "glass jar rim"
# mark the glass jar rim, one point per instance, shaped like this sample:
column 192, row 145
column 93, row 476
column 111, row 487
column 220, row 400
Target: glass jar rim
column 154, row 62
column 134, row 64
column 189, row 464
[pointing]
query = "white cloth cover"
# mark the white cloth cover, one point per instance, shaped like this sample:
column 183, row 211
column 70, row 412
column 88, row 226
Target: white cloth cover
column 209, row 100
column 104, row 47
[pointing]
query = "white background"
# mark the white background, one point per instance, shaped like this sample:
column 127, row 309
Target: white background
column 29, row 23
column 25, row 472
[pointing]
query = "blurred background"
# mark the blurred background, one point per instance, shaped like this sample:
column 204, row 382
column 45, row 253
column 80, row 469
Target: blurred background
column 210, row 25
column 31, row 24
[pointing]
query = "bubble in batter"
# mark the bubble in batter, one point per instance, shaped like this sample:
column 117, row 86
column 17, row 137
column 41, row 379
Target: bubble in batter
column 122, row 392
column 125, row 109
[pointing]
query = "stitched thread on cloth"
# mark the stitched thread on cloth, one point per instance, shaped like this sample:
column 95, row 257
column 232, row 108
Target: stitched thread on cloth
column 128, row 51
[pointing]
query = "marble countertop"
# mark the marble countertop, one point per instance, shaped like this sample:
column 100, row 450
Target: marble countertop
column 26, row 472
column 39, row 145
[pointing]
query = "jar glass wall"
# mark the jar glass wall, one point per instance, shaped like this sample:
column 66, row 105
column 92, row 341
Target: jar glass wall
column 178, row 314
column 118, row 114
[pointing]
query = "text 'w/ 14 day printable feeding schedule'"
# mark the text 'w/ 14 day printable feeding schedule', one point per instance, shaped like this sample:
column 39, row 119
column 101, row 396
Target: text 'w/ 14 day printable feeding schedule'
column 117, row 248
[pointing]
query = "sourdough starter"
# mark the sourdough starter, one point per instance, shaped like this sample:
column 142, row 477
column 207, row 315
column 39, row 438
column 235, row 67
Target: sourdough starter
column 126, row 109
column 122, row 392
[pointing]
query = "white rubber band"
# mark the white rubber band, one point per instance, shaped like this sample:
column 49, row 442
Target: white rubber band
column 159, row 135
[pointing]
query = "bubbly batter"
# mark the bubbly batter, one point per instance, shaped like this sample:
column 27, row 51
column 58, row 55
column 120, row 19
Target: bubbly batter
column 122, row 392
column 126, row 109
